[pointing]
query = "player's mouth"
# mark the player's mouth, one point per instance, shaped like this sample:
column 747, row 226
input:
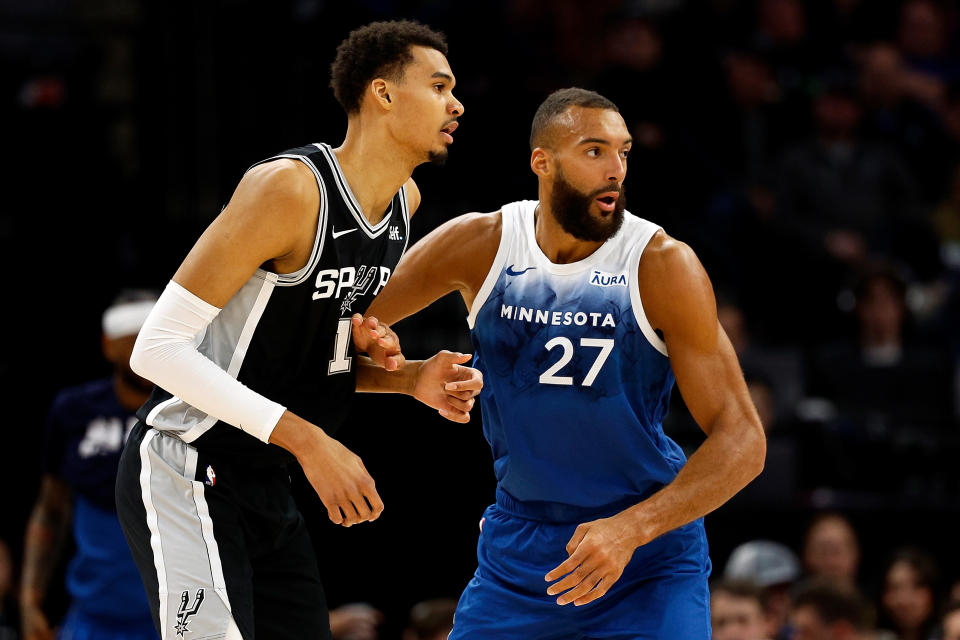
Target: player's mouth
column 607, row 201
column 447, row 131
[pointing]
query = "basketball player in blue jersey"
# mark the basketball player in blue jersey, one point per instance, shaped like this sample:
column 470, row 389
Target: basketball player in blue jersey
column 582, row 316
column 254, row 349
column 84, row 435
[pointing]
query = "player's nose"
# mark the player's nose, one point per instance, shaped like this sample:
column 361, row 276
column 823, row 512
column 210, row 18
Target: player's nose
column 455, row 107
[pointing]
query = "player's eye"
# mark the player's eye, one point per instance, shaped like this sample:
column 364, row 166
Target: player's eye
column 625, row 153
column 593, row 152
column 439, row 87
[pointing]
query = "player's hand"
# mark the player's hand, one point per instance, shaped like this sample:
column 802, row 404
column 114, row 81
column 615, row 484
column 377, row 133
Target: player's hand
column 356, row 621
column 599, row 551
column 35, row 624
column 446, row 385
column 341, row 481
column 377, row 340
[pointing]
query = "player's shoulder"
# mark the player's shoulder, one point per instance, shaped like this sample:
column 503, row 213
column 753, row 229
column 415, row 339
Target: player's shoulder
column 665, row 255
column 284, row 175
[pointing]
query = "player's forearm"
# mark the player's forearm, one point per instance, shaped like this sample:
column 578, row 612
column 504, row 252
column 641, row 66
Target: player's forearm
column 46, row 532
column 374, row 379
column 166, row 354
column 730, row 457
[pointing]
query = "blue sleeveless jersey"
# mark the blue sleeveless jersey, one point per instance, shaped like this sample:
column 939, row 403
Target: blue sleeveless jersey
column 577, row 382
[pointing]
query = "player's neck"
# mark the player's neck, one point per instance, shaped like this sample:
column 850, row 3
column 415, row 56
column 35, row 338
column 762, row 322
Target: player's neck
column 557, row 245
column 375, row 169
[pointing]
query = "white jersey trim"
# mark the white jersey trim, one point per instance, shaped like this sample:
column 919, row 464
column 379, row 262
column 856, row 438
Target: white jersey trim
column 300, row 275
column 155, row 544
column 495, row 269
column 655, row 341
column 371, row 230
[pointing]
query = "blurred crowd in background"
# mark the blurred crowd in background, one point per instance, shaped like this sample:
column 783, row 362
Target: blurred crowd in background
column 808, row 151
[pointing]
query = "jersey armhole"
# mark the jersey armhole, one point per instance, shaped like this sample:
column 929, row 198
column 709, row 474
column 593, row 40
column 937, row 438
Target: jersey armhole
column 405, row 209
column 655, row 341
column 300, row 275
column 494, row 274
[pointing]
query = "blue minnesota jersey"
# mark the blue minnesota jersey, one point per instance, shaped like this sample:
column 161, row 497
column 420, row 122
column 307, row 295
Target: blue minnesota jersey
column 577, row 382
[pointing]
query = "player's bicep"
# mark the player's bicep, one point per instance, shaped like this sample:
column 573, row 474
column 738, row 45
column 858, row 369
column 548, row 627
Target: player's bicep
column 260, row 223
column 683, row 308
column 450, row 258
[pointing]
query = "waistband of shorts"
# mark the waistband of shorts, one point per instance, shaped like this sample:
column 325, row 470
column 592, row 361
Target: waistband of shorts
column 558, row 511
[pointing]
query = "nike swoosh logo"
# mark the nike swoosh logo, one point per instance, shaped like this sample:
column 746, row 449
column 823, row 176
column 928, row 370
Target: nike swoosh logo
column 511, row 272
column 336, row 234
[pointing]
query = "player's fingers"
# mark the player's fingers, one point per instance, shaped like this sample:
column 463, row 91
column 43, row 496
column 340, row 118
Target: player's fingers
column 579, row 590
column 462, row 395
column 460, row 405
column 599, row 589
column 472, row 381
column 394, row 362
column 578, row 535
column 376, row 504
column 362, row 507
column 570, row 580
column 454, row 415
column 565, row 567
column 356, row 320
column 333, row 510
column 349, row 513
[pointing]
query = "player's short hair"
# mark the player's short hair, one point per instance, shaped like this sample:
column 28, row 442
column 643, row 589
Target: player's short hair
column 377, row 50
column 744, row 589
column 556, row 104
column 834, row 603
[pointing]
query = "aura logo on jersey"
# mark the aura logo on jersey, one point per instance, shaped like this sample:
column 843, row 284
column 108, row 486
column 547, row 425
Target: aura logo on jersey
column 603, row 279
column 349, row 283
column 184, row 613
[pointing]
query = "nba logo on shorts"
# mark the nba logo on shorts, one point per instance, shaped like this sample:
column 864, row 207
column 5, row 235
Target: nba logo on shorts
column 211, row 477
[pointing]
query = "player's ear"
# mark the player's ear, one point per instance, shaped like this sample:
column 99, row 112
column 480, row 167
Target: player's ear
column 541, row 162
column 380, row 89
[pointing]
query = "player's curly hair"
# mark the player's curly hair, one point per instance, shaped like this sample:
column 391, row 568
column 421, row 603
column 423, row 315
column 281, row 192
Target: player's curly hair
column 377, row 50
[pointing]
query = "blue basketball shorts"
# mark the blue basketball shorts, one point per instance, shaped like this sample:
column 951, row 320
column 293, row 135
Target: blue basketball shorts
column 661, row 595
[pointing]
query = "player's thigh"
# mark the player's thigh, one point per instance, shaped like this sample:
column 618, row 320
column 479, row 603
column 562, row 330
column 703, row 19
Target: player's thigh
column 661, row 608
column 288, row 596
column 489, row 609
column 185, row 537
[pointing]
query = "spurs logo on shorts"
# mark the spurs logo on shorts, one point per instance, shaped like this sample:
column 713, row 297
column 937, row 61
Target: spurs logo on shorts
column 184, row 614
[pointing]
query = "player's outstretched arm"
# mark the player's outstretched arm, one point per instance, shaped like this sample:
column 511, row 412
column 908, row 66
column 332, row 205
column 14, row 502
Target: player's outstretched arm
column 456, row 256
column 678, row 300
column 441, row 382
column 273, row 207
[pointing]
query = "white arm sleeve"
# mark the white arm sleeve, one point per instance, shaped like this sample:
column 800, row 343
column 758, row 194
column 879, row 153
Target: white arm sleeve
column 166, row 354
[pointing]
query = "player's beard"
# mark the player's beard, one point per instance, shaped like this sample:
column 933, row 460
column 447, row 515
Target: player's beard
column 571, row 208
column 438, row 158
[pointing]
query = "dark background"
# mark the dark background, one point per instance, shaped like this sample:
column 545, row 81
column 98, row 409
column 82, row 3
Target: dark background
column 127, row 123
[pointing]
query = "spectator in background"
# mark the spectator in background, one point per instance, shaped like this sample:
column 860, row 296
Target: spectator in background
column 773, row 568
column 909, row 594
column 9, row 622
column 431, row 620
column 950, row 623
column 839, row 199
column 831, row 550
column 738, row 611
column 924, row 39
column 823, row 610
column 85, row 432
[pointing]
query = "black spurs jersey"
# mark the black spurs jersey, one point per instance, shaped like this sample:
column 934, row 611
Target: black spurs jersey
column 288, row 336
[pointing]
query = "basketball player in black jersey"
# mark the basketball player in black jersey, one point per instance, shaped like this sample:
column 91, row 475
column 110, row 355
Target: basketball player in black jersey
column 253, row 348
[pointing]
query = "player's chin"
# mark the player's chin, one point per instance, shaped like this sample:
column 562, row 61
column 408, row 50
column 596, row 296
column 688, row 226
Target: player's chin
column 438, row 156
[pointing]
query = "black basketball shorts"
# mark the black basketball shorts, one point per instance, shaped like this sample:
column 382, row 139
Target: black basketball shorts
column 222, row 550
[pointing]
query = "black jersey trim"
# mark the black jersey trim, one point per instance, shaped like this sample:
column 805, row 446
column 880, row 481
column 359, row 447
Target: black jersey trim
column 301, row 275
column 372, row 231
